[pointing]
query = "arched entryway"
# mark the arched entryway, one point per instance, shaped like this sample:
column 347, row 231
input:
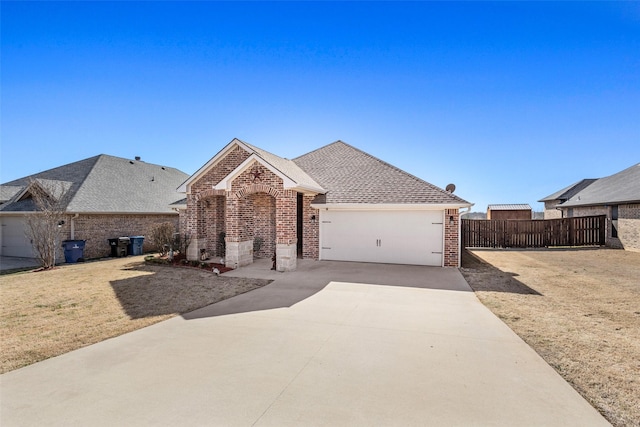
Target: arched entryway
column 261, row 221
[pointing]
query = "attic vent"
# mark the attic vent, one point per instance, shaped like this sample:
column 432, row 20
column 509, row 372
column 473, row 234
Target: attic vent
column 131, row 161
column 137, row 158
column 163, row 168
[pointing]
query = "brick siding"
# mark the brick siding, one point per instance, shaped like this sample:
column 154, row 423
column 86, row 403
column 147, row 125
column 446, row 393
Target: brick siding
column 550, row 211
column 257, row 205
column 195, row 218
column 310, row 229
column 97, row 229
column 451, row 238
column 629, row 226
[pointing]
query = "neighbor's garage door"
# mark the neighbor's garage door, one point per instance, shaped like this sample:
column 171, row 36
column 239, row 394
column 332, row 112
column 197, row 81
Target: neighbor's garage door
column 394, row 237
column 14, row 241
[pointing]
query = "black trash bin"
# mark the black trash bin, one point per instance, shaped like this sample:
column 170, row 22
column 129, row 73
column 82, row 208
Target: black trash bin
column 135, row 247
column 73, row 250
column 113, row 243
column 123, row 246
column 119, row 246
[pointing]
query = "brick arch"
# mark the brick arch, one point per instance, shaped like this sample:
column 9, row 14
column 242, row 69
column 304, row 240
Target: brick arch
column 205, row 194
column 257, row 188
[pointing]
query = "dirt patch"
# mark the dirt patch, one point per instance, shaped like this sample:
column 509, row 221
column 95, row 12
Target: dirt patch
column 48, row 313
column 579, row 309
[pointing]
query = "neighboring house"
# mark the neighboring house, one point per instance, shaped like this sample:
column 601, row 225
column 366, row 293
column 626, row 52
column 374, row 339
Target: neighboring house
column 616, row 196
column 105, row 196
column 335, row 203
column 513, row 211
column 552, row 202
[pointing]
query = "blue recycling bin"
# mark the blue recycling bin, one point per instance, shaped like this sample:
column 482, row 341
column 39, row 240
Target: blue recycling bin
column 73, row 250
column 135, row 245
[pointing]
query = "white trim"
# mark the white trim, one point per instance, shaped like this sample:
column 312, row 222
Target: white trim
column 387, row 206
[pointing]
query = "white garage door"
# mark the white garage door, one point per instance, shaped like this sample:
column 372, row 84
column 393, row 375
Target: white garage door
column 394, row 237
column 14, row 240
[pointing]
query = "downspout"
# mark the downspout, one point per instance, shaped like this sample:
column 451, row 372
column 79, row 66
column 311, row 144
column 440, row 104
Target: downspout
column 73, row 226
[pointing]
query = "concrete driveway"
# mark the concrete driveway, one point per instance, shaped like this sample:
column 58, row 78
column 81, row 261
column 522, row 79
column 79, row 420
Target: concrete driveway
column 14, row 263
column 332, row 344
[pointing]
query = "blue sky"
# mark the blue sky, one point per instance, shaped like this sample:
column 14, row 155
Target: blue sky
column 509, row 101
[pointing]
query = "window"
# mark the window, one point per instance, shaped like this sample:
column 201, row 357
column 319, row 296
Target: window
column 614, row 221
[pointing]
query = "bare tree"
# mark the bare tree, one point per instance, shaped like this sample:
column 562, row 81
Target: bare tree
column 44, row 226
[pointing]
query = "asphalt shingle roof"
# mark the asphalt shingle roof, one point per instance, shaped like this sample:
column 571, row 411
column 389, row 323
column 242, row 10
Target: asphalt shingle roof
column 352, row 176
column 286, row 166
column 108, row 184
column 622, row 187
column 7, row 192
column 570, row 191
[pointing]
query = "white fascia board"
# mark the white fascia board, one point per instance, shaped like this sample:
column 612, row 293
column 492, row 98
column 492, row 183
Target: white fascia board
column 387, row 206
column 185, row 186
column 225, row 184
column 308, row 189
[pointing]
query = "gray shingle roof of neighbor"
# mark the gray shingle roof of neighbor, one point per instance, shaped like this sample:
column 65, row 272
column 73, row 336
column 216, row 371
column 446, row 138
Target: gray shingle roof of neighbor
column 7, row 192
column 352, row 176
column 570, row 191
column 108, row 184
column 510, row 207
column 622, row 187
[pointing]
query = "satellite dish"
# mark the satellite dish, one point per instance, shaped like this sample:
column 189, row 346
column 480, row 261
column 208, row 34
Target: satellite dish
column 451, row 188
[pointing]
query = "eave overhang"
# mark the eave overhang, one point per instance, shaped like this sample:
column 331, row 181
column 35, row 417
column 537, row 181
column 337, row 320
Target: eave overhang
column 390, row 206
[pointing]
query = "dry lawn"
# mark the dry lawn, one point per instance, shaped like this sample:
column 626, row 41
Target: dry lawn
column 44, row 314
column 579, row 309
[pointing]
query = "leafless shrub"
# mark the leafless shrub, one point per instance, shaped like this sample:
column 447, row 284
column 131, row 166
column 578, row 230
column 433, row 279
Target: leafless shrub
column 162, row 236
column 44, row 226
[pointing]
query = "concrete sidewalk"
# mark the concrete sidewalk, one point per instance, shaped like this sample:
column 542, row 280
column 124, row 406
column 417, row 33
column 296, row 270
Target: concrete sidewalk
column 333, row 344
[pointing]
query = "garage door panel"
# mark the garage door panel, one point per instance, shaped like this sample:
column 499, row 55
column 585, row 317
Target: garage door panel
column 14, row 239
column 397, row 237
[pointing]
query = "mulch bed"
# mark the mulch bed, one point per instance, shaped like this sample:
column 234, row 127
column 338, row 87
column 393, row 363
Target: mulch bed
column 181, row 261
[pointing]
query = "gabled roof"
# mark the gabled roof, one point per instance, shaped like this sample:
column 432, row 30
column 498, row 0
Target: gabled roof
column 352, row 176
column 294, row 176
column 103, row 184
column 510, row 207
column 568, row 192
column 622, row 187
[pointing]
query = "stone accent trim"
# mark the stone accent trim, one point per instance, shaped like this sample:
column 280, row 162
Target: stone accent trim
column 239, row 254
column 286, row 257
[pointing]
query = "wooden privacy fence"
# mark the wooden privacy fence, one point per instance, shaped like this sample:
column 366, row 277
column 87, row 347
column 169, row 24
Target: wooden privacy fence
column 514, row 233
